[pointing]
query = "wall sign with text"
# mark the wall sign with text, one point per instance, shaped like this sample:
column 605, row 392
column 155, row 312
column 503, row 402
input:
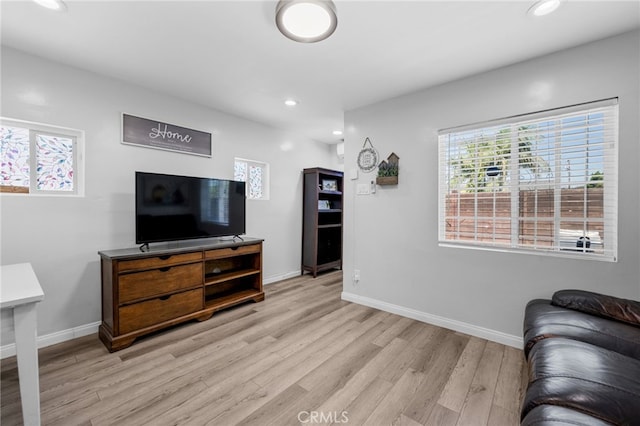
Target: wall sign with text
column 156, row 134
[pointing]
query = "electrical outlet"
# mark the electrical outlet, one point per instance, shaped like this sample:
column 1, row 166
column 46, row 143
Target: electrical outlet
column 356, row 275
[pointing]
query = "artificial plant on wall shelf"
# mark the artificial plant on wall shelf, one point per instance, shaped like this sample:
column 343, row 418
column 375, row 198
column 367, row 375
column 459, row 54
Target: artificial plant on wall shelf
column 388, row 171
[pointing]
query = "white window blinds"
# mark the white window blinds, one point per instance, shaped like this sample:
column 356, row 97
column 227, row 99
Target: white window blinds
column 543, row 182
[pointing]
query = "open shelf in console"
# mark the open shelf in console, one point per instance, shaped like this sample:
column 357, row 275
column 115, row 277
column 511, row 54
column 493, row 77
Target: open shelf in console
column 226, row 293
column 223, row 269
column 215, row 278
column 233, row 298
column 232, row 276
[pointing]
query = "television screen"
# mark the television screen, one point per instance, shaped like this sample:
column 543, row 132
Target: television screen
column 170, row 208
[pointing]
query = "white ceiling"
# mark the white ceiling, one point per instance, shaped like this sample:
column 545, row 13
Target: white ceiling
column 228, row 55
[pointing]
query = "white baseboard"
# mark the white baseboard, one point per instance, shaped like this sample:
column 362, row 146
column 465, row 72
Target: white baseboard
column 54, row 338
column 280, row 277
column 462, row 327
column 473, row 330
column 84, row 330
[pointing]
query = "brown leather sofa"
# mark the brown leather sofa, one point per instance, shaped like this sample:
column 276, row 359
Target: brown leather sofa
column 583, row 356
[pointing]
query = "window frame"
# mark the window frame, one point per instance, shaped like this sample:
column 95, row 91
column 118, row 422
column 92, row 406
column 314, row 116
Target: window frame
column 265, row 177
column 610, row 206
column 35, row 129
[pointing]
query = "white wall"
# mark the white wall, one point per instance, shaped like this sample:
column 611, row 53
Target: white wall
column 392, row 236
column 61, row 236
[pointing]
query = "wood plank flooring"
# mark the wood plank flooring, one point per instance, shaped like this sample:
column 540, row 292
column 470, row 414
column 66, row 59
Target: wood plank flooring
column 303, row 356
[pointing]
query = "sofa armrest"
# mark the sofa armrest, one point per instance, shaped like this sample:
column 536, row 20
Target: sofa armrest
column 624, row 310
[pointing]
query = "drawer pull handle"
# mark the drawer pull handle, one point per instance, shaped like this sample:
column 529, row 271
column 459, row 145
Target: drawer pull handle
column 165, row 297
column 165, row 257
column 235, row 248
column 165, row 269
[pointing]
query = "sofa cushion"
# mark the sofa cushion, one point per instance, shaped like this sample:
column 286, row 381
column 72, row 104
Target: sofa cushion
column 555, row 415
column 543, row 320
column 615, row 308
column 583, row 377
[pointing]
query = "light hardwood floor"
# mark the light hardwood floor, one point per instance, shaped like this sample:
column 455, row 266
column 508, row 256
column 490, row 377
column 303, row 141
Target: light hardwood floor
column 303, row 356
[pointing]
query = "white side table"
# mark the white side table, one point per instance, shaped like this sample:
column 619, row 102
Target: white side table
column 20, row 290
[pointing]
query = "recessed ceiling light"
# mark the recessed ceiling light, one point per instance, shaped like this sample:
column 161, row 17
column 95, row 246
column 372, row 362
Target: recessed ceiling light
column 306, row 21
column 543, row 7
column 57, row 5
column 291, row 102
column 337, row 132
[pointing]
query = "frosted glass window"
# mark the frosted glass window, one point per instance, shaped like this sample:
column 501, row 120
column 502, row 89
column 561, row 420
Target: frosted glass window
column 255, row 182
column 39, row 159
column 54, row 163
column 15, row 157
column 240, row 171
column 256, row 176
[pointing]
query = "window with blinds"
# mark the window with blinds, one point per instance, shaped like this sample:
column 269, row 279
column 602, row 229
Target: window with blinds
column 541, row 183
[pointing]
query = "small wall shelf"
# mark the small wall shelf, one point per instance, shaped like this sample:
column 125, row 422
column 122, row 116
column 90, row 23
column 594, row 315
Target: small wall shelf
column 388, row 170
column 387, row 180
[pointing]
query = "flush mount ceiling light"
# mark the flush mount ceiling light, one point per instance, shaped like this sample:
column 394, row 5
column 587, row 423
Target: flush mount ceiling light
column 306, row 21
column 291, row 102
column 337, row 132
column 543, row 7
column 57, row 5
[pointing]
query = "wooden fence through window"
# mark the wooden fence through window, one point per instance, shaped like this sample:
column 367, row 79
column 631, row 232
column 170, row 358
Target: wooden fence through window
column 486, row 216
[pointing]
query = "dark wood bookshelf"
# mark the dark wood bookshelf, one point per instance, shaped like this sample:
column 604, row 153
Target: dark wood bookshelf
column 322, row 225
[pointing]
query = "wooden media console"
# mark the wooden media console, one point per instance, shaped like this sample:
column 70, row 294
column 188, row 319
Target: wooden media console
column 143, row 292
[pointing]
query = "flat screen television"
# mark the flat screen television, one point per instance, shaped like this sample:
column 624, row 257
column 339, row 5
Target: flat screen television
column 171, row 208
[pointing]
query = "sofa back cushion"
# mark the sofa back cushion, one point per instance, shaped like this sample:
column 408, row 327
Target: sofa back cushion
column 624, row 310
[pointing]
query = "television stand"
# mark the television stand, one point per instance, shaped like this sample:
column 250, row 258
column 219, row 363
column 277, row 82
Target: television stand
column 143, row 292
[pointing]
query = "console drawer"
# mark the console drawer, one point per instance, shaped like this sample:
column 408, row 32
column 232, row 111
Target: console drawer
column 231, row 251
column 139, row 285
column 152, row 312
column 158, row 261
